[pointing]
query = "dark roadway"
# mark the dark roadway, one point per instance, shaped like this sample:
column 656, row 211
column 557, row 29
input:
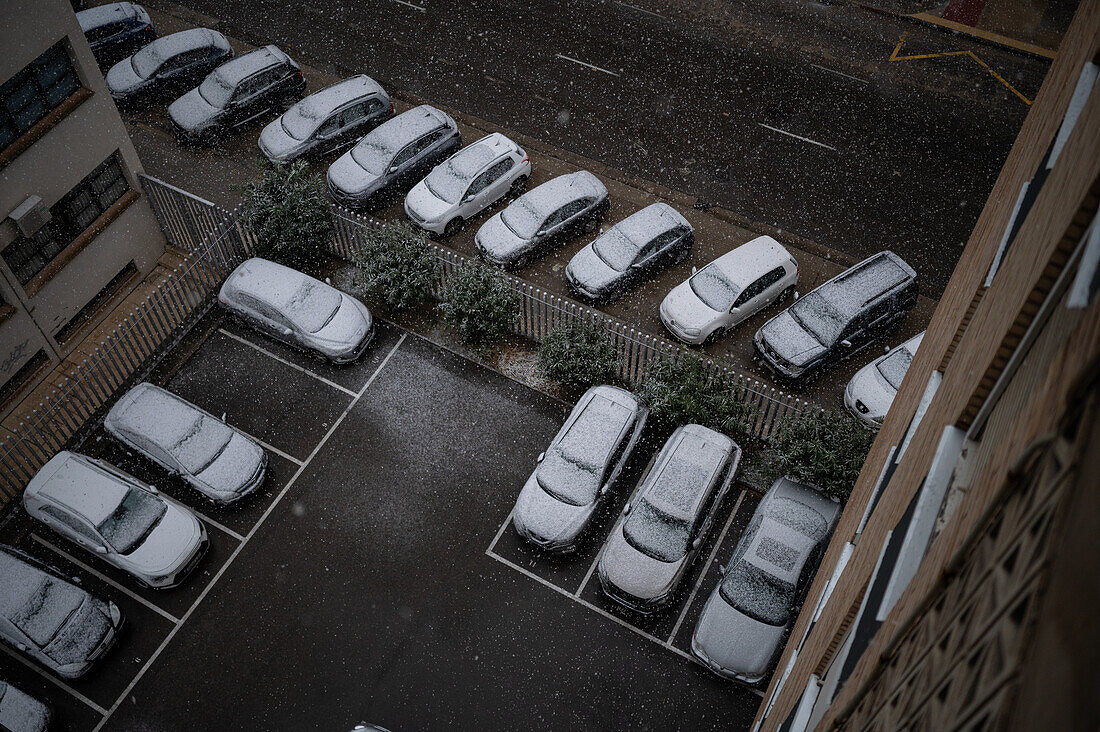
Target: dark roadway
column 700, row 97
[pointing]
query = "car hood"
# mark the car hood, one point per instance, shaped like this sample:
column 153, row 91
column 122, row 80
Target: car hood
column 790, row 340
column 498, row 242
column 633, row 572
column 346, row 329
column 870, row 388
column 548, row 519
column 590, row 272
column 348, row 176
column 171, row 542
column 192, row 112
column 735, row 641
column 686, row 309
column 234, row 469
column 424, row 204
column 276, row 143
column 122, row 79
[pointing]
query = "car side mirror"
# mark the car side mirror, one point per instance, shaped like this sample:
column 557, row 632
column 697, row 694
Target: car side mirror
column 153, row 490
column 541, row 232
column 694, row 270
column 467, row 199
column 287, row 331
column 100, row 549
column 21, row 646
column 721, row 569
column 394, row 168
column 603, row 489
column 224, row 414
column 846, row 343
column 626, row 508
column 541, row 457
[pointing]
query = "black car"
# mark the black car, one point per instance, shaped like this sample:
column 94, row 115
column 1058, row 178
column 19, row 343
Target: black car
column 840, row 317
column 629, row 253
column 168, row 65
column 249, row 86
column 115, row 31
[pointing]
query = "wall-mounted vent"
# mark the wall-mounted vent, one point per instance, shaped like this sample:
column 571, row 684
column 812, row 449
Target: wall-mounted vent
column 30, row 216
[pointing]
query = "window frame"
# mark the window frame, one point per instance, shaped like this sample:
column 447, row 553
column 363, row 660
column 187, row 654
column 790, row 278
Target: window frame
column 30, row 78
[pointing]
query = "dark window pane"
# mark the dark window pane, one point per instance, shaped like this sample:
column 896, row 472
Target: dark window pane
column 36, row 90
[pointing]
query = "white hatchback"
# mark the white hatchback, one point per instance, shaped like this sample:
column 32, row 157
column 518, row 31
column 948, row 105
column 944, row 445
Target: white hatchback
column 729, row 290
column 467, row 183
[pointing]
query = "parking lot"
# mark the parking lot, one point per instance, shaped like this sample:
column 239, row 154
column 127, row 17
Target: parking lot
column 376, row 576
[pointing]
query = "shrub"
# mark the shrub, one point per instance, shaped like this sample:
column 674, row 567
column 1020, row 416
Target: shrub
column 579, row 355
column 825, row 449
column 396, row 266
column 684, row 390
column 479, row 302
column 288, row 212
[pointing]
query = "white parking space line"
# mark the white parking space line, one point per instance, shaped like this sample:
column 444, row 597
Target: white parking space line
column 221, row 527
column 582, row 63
column 421, row 8
column 500, row 531
column 841, row 73
column 592, row 568
column 797, row 137
column 121, row 588
column 640, row 10
column 236, row 552
column 282, row 360
column 703, row 573
column 269, row 448
column 46, row 675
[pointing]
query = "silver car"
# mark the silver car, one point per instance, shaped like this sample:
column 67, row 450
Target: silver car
column 582, row 463
column 392, row 157
column 58, row 624
column 21, row 712
column 127, row 523
column 218, row 461
column 297, row 309
column 327, row 120
column 749, row 614
column 628, row 253
column 663, row 526
column 543, row 218
column 872, row 390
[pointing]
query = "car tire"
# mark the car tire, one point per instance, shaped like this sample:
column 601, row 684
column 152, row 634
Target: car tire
column 592, row 224
column 787, row 292
column 453, row 226
column 517, row 187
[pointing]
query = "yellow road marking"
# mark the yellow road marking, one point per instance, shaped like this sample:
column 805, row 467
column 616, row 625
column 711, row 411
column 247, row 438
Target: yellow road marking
column 895, row 57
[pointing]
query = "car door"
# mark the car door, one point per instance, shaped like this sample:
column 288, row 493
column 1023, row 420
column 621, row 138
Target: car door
column 572, row 215
column 406, row 161
column 650, row 256
column 355, row 121
column 429, row 153
column 106, row 40
column 756, row 296
column 326, row 137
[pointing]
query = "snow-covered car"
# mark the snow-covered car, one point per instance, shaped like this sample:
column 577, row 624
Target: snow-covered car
column 838, row 318
column 581, row 464
column 58, row 624
column 748, row 615
column 729, row 290
column 872, row 390
column 297, row 309
column 218, row 461
column 115, row 30
column 663, row 526
column 392, row 156
column 542, row 219
column 169, row 64
column 327, row 120
column 237, row 92
column 630, row 252
column 468, row 182
column 129, row 524
column 21, row 712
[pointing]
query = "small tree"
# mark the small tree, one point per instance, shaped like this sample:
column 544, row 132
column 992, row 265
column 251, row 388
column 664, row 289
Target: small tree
column 289, row 213
column 684, row 390
column 579, row 355
column 479, row 302
column 396, row 266
column 825, row 449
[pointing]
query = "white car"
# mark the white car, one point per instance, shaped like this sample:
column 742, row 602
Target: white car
column 467, row 183
column 729, row 290
column 872, row 390
column 297, row 309
column 218, row 461
column 129, row 524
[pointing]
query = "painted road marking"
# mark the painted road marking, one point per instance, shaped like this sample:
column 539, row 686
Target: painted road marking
column 421, row 8
column 840, row 73
column 269, row 448
column 282, row 360
column 640, row 10
column 895, row 57
column 797, row 137
column 582, row 63
column 217, row 576
column 224, row 529
column 46, row 675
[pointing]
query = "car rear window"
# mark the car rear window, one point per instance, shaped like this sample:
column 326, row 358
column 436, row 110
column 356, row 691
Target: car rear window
column 655, row 533
column 132, row 520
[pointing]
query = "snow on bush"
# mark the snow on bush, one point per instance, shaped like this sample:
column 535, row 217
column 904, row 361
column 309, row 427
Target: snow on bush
column 479, row 301
column 579, row 355
column 396, row 266
column 684, row 390
column 288, row 211
column 825, row 449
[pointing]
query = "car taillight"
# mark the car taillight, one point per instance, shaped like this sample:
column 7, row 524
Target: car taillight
column 147, row 27
column 525, row 159
column 391, row 107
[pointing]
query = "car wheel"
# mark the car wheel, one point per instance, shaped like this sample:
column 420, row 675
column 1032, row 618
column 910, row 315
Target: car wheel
column 787, row 292
column 714, row 335
column 517, row 186
column 453, row 226
column 682, row 256
column 592, row 224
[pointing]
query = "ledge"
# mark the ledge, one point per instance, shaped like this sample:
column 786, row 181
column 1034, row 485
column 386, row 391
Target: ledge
column 6, row 311
column 44, row 125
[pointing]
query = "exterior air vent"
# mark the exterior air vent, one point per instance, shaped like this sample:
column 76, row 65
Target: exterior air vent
column 30, row 216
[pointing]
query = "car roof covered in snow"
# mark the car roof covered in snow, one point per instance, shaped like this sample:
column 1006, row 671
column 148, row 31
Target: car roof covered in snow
column 687, row 466
column 871, row 278
column 393, row 134
column 247, row 64
column 323, row 102
column 77, row 483
column 102, row 15
column 643, row 226
column 560, row 190
column 748, row 262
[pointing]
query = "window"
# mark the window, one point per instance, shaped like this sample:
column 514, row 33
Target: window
column 23, row 377
column 330, row 126
column 104, row 32
column 757, row 288
column 72, row 215
column 34, row 92
column 490, row 176
column 72, row 524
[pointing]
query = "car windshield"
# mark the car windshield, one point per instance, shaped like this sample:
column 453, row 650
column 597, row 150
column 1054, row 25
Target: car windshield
column 712, row 287
column 615, row 249
column 215, row 91
column 757, row 594
column 132, row 520
column 36, row 603
column 446, row 183
column 372, row 156
column 655, row 533
column 817, row 315
column 313, row 306
column 522, row 218
column 894, row 366
column 147, row 60
column 301, row 120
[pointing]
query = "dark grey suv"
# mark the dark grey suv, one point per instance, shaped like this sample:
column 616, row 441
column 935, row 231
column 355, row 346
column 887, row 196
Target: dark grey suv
column 840, row 317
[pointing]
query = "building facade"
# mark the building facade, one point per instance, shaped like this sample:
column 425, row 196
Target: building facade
column 959, row 590
column 77, row 234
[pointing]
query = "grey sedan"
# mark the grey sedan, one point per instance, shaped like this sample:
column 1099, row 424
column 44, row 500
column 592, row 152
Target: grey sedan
column 392, row 157
column 543, row 218
column 749, row 614
column 215, row 459
column 663, row 526
column 629, row 252
column 582, row 463
column 297, row 309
